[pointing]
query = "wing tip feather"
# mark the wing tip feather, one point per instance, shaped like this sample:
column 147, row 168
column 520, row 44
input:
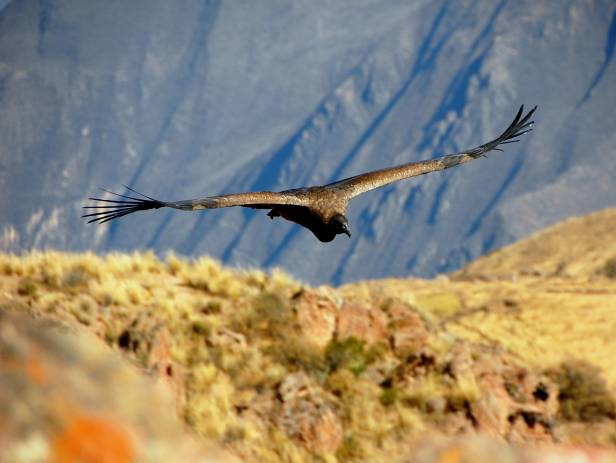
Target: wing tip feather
column 116, row 208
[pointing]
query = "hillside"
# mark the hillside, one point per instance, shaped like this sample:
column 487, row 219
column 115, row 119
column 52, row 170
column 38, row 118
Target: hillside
column 215, row 98
column 275, row 370
column 579, row 247
column 529, row 296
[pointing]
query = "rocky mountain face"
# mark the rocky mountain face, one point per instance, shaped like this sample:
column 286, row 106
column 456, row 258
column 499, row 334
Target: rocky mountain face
column 214, row 97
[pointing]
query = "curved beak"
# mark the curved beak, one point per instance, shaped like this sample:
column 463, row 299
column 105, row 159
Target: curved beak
column 346, row 230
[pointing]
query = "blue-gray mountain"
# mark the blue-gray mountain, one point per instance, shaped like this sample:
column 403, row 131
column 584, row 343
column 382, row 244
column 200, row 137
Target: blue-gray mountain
column 207, row 97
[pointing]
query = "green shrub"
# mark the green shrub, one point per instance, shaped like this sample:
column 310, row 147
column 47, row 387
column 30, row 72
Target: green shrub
column 583, row 393
column 350, row 353
column 609, row 269
column 389, row 396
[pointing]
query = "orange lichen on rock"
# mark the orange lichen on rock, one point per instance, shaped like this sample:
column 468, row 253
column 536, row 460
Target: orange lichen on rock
column 91, row 439
column 36, row 370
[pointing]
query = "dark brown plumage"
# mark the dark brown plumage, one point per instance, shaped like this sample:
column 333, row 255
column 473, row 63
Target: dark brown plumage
column 321, row 209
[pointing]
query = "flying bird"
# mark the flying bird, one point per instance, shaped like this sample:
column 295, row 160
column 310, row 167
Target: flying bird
column 321, row 209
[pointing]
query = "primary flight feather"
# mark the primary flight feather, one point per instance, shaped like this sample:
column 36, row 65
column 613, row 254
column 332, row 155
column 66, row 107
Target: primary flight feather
column 321, row 209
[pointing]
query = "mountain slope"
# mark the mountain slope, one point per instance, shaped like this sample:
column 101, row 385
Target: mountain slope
column 579, row 247
column 279, row 371
column 216, row 97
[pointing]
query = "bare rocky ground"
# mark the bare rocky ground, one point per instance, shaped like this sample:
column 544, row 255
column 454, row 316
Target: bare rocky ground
column 509, row 359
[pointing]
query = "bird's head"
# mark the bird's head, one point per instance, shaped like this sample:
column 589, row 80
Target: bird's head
column 339, row 224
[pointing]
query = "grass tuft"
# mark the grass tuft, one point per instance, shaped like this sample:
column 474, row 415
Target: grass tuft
column 27, row 287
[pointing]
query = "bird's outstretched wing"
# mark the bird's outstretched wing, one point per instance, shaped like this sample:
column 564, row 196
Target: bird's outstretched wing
column 109, row 209
column 375, row 179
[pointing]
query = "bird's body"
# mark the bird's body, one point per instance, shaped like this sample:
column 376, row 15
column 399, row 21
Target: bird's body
column 321, row 209
column 323, row 204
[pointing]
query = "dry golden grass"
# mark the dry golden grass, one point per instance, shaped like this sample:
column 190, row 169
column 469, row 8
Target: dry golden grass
column 228, row 337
